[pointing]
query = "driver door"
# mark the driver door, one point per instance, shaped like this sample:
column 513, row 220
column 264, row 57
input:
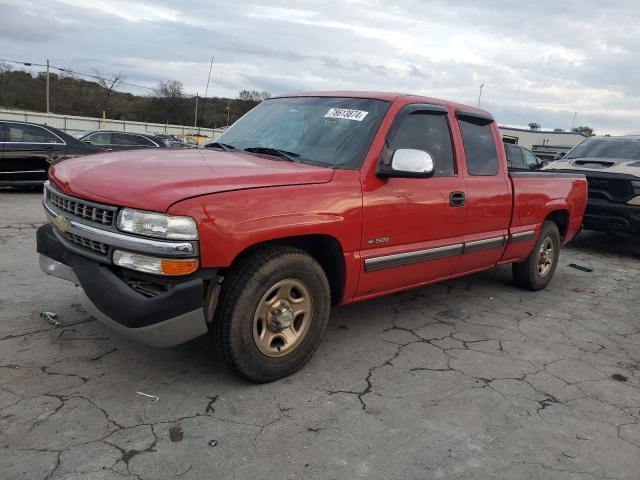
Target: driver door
column 412, row 227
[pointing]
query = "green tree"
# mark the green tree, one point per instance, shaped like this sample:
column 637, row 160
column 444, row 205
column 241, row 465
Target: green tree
column 587, row 131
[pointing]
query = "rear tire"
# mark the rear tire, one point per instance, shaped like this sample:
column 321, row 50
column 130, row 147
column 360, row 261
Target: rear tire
column 273, row 309
column 537, row 270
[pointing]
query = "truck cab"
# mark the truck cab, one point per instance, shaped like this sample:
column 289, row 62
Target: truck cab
column 308, row 201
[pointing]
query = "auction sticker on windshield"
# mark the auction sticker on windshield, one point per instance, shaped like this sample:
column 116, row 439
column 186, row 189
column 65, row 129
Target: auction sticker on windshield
column 346, row 114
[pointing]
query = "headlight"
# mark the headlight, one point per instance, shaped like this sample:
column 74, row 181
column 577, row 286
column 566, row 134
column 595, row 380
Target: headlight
column 158, row 266
column 151, row 224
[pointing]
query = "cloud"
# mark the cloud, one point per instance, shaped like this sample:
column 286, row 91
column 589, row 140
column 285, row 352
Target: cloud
column 541, row 61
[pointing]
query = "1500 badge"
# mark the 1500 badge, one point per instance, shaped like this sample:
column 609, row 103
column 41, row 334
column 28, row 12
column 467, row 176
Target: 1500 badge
column 378, row 241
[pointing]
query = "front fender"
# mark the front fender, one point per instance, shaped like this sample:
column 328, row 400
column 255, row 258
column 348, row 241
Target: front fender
column 230, row 222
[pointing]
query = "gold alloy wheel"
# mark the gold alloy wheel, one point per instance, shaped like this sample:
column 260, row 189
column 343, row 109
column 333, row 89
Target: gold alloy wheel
column 282, row 318
column 545, row 257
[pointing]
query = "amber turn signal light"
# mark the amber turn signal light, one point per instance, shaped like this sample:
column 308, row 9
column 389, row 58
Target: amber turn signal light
column 178, row 267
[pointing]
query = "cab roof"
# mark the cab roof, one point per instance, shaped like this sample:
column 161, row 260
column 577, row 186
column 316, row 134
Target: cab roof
column 390, row 97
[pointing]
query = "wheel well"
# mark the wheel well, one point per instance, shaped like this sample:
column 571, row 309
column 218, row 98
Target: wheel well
column 561, row 219
column 324, row 248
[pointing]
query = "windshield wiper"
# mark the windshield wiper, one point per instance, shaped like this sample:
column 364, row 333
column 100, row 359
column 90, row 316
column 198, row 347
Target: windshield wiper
column 222, row 146
column 276, row 152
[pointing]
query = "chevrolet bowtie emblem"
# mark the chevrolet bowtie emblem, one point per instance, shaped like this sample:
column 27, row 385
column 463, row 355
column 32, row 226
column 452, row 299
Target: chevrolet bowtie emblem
column 61, row 222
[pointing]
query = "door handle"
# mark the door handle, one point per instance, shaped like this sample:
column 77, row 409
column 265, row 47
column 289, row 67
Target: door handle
column 456, row 199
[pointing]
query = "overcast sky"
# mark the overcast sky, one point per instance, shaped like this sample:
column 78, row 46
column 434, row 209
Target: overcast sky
column 540, row 60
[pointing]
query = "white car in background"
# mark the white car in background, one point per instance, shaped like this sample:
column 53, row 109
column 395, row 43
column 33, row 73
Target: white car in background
column 612, row 168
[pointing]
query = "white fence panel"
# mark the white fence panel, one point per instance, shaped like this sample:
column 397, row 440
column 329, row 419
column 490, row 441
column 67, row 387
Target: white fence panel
column 73, row 124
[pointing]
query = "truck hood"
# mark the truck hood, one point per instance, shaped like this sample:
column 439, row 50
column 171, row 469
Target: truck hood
column 156, row 179
column 605, row 165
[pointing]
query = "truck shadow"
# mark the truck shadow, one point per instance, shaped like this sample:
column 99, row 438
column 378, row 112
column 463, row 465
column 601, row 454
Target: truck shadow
column 617, row 244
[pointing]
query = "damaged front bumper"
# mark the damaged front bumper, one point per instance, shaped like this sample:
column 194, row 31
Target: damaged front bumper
column 167, row 318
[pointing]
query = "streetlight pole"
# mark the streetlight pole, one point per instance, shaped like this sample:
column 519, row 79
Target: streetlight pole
column 480, row 94
column 573, row 122
column 48, row 86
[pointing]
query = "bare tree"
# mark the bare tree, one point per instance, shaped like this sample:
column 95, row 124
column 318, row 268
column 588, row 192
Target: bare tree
column 170, row 95
column 109, row 83
column 253, row 95
column 170, row 89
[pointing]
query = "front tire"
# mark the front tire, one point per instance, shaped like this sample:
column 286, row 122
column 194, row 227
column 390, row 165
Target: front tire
column 273, row 309
column 537, row 270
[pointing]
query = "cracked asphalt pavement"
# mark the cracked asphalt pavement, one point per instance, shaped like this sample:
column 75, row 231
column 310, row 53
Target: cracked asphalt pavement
column 472, row 378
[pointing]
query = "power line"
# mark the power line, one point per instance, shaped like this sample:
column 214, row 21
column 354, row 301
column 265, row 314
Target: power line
column 68, row 70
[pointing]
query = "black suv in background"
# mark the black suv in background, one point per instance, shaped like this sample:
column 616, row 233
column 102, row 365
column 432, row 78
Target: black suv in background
column 27, row 150
column 612, row 168
column 111, row 140
column 522, row 159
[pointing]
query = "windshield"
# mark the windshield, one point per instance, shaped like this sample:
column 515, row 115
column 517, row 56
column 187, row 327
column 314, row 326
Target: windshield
column 333, row 132
column 607, row 148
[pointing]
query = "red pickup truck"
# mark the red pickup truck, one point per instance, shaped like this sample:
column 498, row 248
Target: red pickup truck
column 307, row 201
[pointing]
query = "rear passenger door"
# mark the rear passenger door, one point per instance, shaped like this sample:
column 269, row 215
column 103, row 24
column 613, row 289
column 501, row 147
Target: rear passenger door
column 488, row 192
column 412, row 229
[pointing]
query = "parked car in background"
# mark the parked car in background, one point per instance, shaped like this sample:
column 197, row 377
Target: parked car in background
column 115, row 141
column 306, row 201
column 612, row 168
column 522, row 159
column 28, row 149
column 190, row 142
column 171, row 141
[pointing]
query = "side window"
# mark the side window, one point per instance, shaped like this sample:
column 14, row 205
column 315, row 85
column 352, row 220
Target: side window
column 20, row 133
column 428, row 131
column 125, row 139
column 530, row 159
column 479, row 146
column 144, row 141
column 2, row 128
column 100, row 138
column 514, row 156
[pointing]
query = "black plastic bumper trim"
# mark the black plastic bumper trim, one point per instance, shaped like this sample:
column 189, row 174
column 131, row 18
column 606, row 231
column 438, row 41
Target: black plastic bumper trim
column 113, row 297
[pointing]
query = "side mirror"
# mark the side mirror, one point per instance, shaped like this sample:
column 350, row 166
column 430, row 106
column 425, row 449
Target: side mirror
column 88, row 142
column 408, row 163
column 559, row 155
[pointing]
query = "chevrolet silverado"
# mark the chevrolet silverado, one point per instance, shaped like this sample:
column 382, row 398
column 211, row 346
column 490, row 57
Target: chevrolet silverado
column 308, row 201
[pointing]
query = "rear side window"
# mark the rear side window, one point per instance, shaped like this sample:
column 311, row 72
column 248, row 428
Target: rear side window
column 144, row 141
column 125, row 139
column 530, row 159
column 514, row 156
column 428, row 131
column 100, row 138
column 479, row 146
column 28, row 134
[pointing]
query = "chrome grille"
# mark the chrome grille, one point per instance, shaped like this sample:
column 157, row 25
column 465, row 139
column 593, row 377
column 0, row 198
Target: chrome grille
column 80, row 208
column 98, row 247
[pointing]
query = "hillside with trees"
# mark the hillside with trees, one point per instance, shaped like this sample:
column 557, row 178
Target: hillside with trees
column 70, row 95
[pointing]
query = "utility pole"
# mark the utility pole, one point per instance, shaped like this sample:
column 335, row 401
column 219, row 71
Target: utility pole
column 195, row 116
column 573, row 122
column 206, row 90
column 227, row 114
column 47, row 85
column 480, row 94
